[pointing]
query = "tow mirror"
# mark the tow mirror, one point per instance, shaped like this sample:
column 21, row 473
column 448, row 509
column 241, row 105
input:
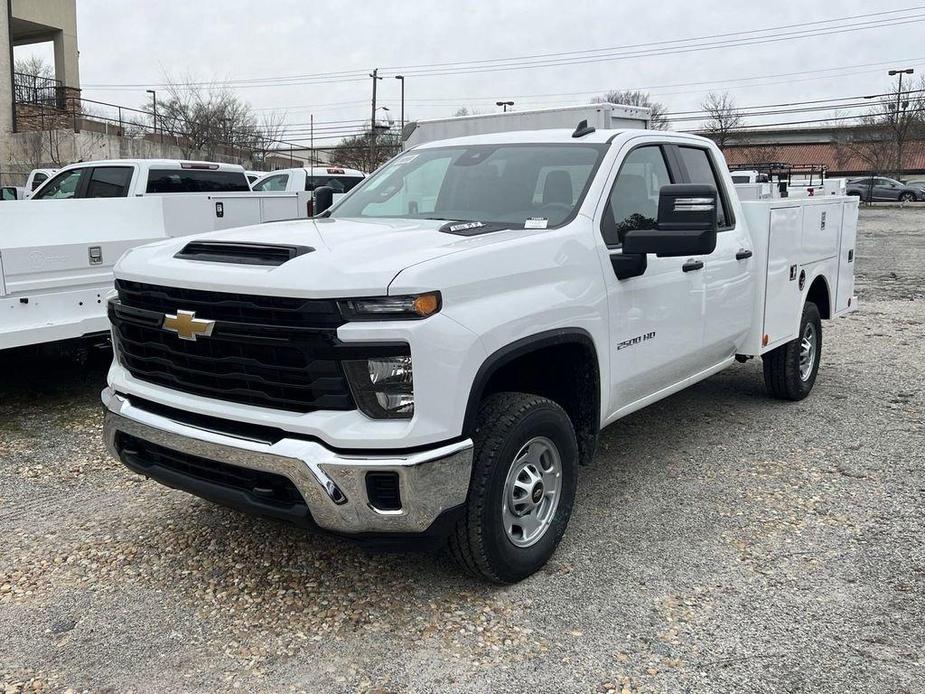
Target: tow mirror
column 687, row 223
column 9, row 193
column 324, row 198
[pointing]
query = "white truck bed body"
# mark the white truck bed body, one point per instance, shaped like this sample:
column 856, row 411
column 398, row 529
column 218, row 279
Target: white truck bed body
column 794, row 238
column 600, row 116
column 56, row 258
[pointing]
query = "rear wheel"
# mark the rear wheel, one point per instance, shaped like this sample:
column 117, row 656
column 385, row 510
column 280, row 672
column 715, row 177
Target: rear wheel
column 790, row 370
column 523, row 486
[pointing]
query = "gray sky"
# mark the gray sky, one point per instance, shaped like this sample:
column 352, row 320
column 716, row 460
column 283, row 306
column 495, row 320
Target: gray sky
column 235, row 39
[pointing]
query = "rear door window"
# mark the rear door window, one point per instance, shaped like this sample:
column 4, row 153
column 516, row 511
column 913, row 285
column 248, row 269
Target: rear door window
column 109, row 182
column 340, row 184
column 700, row 170
column 61, row 187
column 196, row 181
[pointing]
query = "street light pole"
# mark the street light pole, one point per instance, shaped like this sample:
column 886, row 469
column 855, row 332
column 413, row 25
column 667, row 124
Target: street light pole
column 504, row 104
column 154, row 102
column 900, row 136
column 372, row 123
column 402, row 78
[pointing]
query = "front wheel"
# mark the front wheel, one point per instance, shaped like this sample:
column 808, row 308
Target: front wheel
column 907, row 197
column 790, row 370
column 524, row 475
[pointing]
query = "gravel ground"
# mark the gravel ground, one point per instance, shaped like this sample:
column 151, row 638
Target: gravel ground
column 721, row 542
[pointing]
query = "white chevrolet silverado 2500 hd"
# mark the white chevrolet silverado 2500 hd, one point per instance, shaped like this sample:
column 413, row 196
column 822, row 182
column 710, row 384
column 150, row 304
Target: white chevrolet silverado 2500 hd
column 436, row 354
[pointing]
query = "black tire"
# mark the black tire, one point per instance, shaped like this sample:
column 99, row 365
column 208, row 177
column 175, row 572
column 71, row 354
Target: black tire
column 782, row 374
column 907, row 197
column 479, row 542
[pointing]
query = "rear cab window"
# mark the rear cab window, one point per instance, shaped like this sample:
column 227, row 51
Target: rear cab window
column 196, row 181
column 340, row 184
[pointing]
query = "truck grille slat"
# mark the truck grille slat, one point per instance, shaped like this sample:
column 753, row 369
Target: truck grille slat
column 271, row 352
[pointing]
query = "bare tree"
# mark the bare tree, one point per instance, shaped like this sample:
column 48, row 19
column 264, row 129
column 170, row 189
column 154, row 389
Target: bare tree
column 268, row 135
column 657, row 111
column 724, row 119
column 354, row 152
column 202, row 118
column 768, row 153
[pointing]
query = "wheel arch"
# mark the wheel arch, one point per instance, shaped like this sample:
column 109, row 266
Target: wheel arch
column 571, row 378
column 820, row 294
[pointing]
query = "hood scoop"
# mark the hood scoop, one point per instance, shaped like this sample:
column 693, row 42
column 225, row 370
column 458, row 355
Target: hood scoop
column 241, row 253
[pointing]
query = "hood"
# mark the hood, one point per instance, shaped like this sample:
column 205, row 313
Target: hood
column 351, row 257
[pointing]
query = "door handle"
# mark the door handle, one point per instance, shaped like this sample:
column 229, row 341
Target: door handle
column 743, row 254
column 692, row 265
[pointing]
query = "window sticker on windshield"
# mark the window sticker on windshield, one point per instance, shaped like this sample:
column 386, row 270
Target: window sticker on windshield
column 535, row 223
column 407, row 159
column 465, row 226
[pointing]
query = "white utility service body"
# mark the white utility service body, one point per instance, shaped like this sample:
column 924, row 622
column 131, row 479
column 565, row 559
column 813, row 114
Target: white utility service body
column 531, row 316
column 601, row 116
column 57, row 255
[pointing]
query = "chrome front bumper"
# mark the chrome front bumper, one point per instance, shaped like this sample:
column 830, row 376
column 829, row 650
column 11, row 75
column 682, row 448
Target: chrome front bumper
column 333, row 485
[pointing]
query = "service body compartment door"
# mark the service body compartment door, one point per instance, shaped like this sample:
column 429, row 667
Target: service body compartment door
column 782, row 299
column 821, row 230
column 849, row 231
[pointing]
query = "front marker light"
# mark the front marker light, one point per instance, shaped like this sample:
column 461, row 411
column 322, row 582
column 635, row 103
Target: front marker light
column 415, row 306
column 383, row 387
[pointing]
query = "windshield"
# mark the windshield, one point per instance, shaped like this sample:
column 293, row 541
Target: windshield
column 536, row 186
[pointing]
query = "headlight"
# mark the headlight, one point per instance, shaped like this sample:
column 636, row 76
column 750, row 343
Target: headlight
column 383, row 387
column 415, row 306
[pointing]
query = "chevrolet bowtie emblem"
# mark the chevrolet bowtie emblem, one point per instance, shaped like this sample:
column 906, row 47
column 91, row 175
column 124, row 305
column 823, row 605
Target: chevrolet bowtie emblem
column 187, row 326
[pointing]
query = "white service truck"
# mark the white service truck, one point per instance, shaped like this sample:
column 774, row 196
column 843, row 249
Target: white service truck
column 435, row 356
column 58, row 249
column 339, row 179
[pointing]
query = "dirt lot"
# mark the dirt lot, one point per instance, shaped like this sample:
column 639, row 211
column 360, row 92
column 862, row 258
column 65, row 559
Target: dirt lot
column 721, row 542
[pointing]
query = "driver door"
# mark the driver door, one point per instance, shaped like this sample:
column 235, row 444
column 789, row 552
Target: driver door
column 656, row 317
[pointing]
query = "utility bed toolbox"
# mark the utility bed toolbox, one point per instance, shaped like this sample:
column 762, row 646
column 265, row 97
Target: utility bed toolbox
column 796, row 240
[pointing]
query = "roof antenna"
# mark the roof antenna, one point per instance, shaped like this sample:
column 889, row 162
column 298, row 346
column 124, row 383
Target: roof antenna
column 583, row 129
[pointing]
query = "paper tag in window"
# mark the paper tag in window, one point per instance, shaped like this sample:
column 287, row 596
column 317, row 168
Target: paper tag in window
column 466, row 226
column 536, row 223
column 407, row 159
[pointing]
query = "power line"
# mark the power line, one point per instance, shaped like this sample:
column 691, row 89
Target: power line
column 839, row 25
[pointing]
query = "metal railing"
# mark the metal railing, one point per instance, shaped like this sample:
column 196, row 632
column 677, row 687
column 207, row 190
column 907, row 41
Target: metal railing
column 41, row 91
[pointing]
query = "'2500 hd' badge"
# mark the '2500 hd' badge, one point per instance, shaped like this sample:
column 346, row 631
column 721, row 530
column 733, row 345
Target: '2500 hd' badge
column 633, row 341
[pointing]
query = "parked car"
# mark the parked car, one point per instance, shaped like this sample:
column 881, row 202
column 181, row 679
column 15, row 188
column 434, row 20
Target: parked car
column 435, row 355
column 915, row 183
column 879, row 189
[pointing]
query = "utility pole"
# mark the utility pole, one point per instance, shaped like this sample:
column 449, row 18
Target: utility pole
column 311, row 158
column 154, row 102
column 898, row 125
column 372, row 123
column 402, row 78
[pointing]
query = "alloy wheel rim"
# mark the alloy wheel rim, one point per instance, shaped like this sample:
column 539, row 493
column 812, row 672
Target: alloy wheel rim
column 532, row 491
column 808, row 344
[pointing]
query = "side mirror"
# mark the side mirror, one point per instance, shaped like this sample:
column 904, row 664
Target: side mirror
column 324, row 198
column 687, row 223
